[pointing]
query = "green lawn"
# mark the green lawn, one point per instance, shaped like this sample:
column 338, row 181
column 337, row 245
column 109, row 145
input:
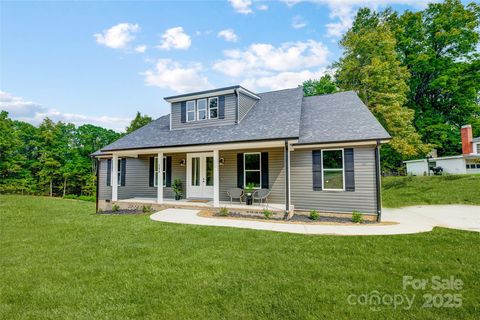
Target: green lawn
column 447, row 189
column 59, row 260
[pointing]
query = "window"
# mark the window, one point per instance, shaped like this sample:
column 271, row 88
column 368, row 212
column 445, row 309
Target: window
column 213, row 108
column 332, row 168
column 468, row 166
column 119, row 173
column 155, row 175
column 195, row 171
column 209, row 172
column 252, row 169
column 191, row 110
column 478, row 166
column 202, row 109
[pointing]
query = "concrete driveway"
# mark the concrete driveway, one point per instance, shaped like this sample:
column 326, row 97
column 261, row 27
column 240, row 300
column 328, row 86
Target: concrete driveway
column 406, row 221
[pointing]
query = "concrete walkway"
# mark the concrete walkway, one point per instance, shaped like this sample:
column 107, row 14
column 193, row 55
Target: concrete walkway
column 408, row 220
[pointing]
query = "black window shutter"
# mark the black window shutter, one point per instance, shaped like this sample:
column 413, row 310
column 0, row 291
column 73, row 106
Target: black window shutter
column 168, row 172
column 317, row 169
column 183, row 112
column 349, row 165
column 122, row 173
column 221, row 107
column 265, row 184
column 151, row 171
column 240, row 170
column 109, row 172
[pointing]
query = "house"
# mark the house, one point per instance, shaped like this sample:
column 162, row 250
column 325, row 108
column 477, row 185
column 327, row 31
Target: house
column 466, row 163
column 318, row 152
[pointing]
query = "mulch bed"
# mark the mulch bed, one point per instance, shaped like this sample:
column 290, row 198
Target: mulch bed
column 121, row 211
column 296, row 218
column 305, row 219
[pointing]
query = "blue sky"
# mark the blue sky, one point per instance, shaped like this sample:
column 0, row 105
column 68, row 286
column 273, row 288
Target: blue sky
column 100, row 62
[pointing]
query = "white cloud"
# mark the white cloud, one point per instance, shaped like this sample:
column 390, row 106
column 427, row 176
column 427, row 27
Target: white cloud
column 228, row 34
column 177, row 77
column 34, row 113
column 141, row 48
column 282, row 80
column 262, row 7
column 343, row 11
column 262, row 58
column 175, row 38
column 118, row 36
column 242, row 6
column 298, row 22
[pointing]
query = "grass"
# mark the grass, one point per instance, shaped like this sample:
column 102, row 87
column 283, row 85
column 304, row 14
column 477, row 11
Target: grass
column 59, row 260
column 447, row 189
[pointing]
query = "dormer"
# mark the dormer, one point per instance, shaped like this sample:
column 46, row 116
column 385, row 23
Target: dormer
column 221, row 106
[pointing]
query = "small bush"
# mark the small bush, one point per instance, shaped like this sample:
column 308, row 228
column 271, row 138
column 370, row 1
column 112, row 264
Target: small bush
column 357, row 217
column 267, row 214
column 115, row 207
column 147, row 209
column 314, row 215
column 223, row 212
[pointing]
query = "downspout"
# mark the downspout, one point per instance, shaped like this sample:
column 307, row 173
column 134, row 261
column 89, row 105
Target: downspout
column 378, row 182
column 237, row 115
column 287, row 179
column 97, row 171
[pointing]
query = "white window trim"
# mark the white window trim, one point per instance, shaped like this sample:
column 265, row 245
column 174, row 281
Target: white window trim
column 250, row 170
column 343, row 170
column 194, row 110
column 218, row 100
column 155, row 172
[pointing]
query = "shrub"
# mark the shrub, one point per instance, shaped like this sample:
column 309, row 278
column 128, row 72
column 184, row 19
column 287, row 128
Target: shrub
column 314, row 215
column 147, row 209
column 357, row 217
column 223, row 212
column 115, row 207
column 267, row 214
column 83, row 198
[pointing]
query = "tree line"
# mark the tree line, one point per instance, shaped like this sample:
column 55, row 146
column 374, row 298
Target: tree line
column 54, row 157
column 418, row 72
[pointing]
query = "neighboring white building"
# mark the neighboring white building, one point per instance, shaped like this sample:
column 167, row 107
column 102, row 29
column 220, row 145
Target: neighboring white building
column 467, row 162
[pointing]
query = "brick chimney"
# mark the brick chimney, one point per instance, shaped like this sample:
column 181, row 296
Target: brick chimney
column 467, row 136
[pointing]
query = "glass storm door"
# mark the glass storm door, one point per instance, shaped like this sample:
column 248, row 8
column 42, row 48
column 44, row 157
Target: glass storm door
column 200, row 175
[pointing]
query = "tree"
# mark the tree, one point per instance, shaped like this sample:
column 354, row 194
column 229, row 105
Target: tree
column 138, row 122
column 324, row 85
column 439, row 46
column 370, row 65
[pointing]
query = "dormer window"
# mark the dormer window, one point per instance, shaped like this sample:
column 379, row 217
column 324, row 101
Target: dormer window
column 191, row 110
column 213, row 108
column 202, row 109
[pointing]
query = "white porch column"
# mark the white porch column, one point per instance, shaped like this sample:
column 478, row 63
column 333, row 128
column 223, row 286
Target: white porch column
column 216, row 179
column 160, row 178
column 114, row 181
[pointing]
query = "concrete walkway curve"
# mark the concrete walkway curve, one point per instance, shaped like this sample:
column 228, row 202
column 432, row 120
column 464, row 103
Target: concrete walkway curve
column 408, row 220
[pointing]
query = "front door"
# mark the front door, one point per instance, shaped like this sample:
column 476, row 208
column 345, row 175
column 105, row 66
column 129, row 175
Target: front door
column 200, row 175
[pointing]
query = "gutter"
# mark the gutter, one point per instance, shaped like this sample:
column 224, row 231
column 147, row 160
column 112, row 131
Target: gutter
column 378, row 181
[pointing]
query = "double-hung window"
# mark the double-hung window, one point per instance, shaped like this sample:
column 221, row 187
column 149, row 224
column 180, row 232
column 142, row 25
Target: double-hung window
column 191, row 110
column 119, row 173
column 213, row 108
column 202, row 109
column 252, row 169
column 333, row 170
column 164, row 172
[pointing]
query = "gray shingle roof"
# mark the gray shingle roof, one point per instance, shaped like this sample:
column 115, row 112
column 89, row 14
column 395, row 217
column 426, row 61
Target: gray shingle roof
column 338, row 117
column 277, row 115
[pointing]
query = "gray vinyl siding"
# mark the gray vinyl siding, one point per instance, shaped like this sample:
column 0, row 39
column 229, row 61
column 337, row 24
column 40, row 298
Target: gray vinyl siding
column 245, row 103
column 104, row 191
column 137, row 178
column 230, row 115
column 276, row 173
column 362, row 199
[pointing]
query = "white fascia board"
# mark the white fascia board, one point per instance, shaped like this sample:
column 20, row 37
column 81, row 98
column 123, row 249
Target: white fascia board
column 248, row 93
column 200, row 96
column 335, row 145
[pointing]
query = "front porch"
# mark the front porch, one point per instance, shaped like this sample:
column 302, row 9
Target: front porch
column 207, row 204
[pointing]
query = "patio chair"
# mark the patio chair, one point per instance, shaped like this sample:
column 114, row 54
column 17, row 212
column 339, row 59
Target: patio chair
column 262, row 196
column 235, row 193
